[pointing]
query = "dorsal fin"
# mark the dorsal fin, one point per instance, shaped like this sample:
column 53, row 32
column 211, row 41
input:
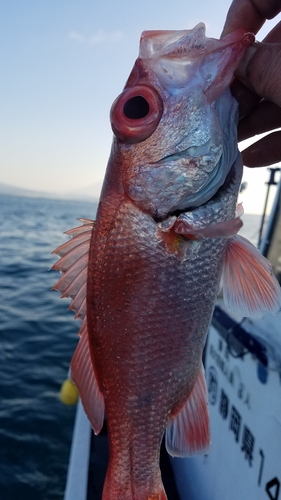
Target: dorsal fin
column 73, row 265
column 189, row 431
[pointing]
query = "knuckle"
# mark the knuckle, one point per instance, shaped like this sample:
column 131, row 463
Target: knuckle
column 267, row 8
column 264, row 72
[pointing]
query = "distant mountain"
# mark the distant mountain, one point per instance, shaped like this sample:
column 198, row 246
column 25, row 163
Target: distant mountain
column 90, row 193
column 16, row 191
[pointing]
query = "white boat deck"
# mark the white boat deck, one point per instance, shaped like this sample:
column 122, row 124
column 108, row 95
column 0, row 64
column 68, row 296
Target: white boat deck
column 77, row 476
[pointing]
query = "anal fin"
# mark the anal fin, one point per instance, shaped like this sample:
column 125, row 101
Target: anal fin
column 189, row 431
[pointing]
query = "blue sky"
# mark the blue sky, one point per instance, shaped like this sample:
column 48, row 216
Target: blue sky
column 63, row 62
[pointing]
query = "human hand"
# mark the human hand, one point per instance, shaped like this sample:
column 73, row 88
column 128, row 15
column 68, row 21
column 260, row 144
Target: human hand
column 258, row 80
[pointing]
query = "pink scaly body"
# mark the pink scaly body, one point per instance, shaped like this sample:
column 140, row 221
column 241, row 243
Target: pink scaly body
column 144, row 277
column 149, row 319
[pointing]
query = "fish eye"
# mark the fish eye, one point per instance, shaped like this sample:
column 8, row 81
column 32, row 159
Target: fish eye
column 136, row 107
column 136, row 113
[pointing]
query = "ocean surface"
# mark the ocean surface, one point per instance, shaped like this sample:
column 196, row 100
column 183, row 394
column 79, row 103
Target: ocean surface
column 37, row 339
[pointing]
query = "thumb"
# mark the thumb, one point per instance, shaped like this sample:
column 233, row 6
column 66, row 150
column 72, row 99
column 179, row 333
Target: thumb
column 260, row 70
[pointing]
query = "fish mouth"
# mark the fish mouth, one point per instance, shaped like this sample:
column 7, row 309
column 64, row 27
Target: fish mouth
column 175, row 57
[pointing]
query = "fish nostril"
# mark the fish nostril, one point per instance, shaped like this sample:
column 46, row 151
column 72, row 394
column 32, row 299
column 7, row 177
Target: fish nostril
column 136, row 108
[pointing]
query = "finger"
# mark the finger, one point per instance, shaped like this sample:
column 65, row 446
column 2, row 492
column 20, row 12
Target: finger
column 264, row 152
column 250, row 15
column 247, row 99
column 261, row 71
column 266, row 116
column 274, row 36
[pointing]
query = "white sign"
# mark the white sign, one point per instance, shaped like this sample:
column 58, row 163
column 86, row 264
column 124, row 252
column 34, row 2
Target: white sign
column 245, row 408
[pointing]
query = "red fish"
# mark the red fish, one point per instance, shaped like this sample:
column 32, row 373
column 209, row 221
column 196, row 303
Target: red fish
column 145, row 275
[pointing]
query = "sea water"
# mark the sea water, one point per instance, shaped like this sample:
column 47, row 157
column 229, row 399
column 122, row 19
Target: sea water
column 37, row 339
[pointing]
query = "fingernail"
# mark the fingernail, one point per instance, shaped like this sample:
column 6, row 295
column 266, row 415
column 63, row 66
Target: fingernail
column 241, row 70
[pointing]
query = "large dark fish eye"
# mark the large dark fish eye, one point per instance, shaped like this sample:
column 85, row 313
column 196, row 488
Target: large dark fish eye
column 135, row 108
column 136, row 113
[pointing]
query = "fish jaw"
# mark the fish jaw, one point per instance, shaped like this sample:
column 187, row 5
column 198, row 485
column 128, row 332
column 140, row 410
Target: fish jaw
column 178, row 147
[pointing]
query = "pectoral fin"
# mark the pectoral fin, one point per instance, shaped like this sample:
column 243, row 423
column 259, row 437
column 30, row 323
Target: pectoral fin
column 189, row 431
column 249, row 285
column 225, row 229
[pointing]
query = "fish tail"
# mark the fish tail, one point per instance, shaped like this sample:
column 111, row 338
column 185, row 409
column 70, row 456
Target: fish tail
column 114, row 490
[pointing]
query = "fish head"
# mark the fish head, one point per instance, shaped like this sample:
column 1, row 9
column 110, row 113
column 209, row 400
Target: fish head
column 175, row 121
